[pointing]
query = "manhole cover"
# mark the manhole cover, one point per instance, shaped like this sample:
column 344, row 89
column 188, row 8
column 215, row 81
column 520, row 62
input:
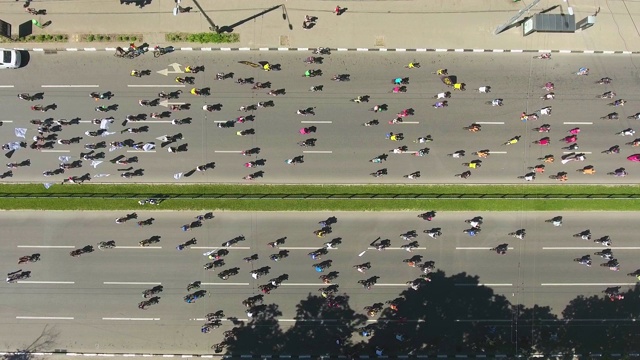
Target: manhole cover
column 379, row 40
column 284, row 40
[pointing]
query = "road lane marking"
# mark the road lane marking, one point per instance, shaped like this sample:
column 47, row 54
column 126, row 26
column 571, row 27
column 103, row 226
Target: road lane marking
column 70, row 86
column 408, row 122
column 154, row 86
column 397, row 248
column 225, row 284
column 573, row 152
column 6, row 86
column 228, row 151
column 6, row 121
column 299, row 247
column 46, row 282
column 219, row 247
column 55, row 151
column 318, row 152
column 140, row 151
column 45, row 247
column 591, row 248
column 130, row 319
column 44, row 318
column 482, row 284
column 130, row 283
column 577, row 123
column 479, row 248
column 138, row 247
column 497, row 152
column 588, row 284
column 490, row 122
column 316, row 122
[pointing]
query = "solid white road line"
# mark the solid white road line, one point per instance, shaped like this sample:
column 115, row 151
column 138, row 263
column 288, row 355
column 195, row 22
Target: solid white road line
column 588, row 284
column 130, row 283
column 577, row 123
column 498, row 152
column 45, row 247
column 130, row 319
column 479, row 248
column 225, row 284
column 70, row 86
column 138, row 247
column 220, row 247
column 46, row 282
column 317, row 152
column 591, row 248
column 315, row 122
column 228, row 151
column 44, row 318
column 6, row 86
column 154, row 86
column 140, row 151
column 55, row 151
column 490, row 122
column 481, row 284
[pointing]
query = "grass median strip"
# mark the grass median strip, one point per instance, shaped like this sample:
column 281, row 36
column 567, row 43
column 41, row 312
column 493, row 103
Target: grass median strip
column 321, row 197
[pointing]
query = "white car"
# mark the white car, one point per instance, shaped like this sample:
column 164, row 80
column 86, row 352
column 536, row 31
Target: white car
column 10, row 59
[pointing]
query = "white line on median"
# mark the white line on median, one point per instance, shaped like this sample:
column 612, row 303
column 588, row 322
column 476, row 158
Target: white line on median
column 490, row 122
column 588, row 284
column 70, row 86
column 44, row 318
column 317, row 152
column 46, row 282
column 130, row 283
column 154, row 86
column 316, row 122
column 130, row 319
column 577, row 123
column 46, row 247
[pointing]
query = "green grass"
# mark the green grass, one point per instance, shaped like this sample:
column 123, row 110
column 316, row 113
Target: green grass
column 306, row 198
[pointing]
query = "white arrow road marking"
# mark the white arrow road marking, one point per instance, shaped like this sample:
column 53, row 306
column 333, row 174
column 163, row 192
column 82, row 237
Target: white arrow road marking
column 166, row 103
column 176, row 70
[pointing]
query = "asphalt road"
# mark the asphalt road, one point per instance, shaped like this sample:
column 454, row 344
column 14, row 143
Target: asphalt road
column 344, row 146
column 89, row 303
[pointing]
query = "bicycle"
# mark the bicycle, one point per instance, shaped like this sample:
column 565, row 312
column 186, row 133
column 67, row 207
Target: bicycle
column 412, row 65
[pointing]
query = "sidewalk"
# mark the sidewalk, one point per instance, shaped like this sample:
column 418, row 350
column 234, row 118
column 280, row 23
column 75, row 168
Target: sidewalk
column 433, row 24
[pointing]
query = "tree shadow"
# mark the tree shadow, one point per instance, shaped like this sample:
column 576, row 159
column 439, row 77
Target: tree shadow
column 230, row 28
column 261, row 335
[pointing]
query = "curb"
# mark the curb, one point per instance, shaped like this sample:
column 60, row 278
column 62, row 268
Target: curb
column 357, row 49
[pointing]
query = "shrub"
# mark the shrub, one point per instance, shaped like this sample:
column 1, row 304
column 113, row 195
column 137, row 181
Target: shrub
column 91, row 38
column 59, row 37
column 203, row 38
column 132, row 38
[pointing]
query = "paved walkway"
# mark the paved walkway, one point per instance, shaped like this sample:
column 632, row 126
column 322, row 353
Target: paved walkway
column 365, row 24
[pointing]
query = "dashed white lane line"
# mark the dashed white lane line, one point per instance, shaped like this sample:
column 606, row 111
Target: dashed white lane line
column 588, row 284
column 573, row 152
column 228, row 151
column 578, row 123
column 490, row 122
column 498, row 152
column 591, row 248
column 44, row 317
column 46, row 282
column 6, row 121
column 315, row 122
column 483, row 284
column 130, row 319
column 140, row 151
column 479, row 248
column 317, row 152
column 138, row 247
column 130, row 283
column 225, row 284
column 299, row 247
column 408, row 122
column 70, row 86
column 6, row 86
column 46, row 246
column 55, row 151
column 397, row 248
column 220, row 247
column 155, row 86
